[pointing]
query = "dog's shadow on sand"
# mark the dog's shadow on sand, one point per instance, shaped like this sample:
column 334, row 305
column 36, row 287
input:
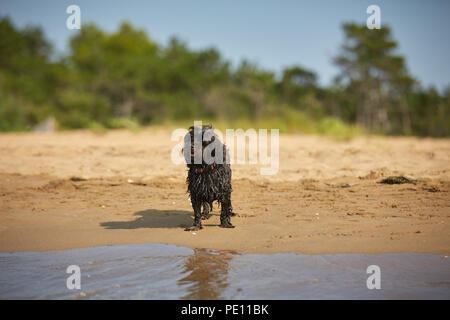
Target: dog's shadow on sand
column 153, row 218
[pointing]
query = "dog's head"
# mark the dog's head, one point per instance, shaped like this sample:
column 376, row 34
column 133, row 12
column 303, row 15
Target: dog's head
column 195, row 143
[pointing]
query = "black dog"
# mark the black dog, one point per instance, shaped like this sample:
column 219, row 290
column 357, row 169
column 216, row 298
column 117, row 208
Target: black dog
column 207, row 182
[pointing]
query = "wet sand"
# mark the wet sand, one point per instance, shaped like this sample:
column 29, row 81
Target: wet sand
column 325, row 199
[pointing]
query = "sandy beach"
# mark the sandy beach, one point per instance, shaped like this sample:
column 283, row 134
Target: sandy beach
column 80, row 189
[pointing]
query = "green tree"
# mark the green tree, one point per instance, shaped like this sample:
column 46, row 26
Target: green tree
column 377, row 80
column 25, row 72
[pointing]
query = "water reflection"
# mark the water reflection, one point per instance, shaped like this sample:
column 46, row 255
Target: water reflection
column 157, row 271
column 207, row 273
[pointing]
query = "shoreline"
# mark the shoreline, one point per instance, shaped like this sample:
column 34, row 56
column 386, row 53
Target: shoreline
column 443, row 255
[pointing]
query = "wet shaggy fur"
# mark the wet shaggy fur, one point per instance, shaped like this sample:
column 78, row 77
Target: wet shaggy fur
column 208, row 183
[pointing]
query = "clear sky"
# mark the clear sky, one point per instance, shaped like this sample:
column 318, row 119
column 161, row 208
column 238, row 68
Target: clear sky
column 274, row 34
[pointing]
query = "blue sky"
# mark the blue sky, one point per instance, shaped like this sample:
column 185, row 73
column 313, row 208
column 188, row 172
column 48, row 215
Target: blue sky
column 274, row 34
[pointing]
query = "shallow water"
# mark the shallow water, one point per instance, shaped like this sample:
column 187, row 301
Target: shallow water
column 157, row 271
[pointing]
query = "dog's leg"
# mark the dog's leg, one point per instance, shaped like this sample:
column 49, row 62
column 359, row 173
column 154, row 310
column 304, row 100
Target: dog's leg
column 205, row 214
column 232, row 214
column 226, row 213
column 196, row 205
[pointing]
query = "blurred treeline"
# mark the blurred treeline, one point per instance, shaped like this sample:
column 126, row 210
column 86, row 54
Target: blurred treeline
column 124, row 79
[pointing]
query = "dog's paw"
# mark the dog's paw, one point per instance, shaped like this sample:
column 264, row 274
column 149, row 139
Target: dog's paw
column 226, row 225
column 193, row 228
column 205, row 217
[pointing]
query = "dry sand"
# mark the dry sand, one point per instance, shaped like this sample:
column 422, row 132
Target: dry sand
column 325, row 198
